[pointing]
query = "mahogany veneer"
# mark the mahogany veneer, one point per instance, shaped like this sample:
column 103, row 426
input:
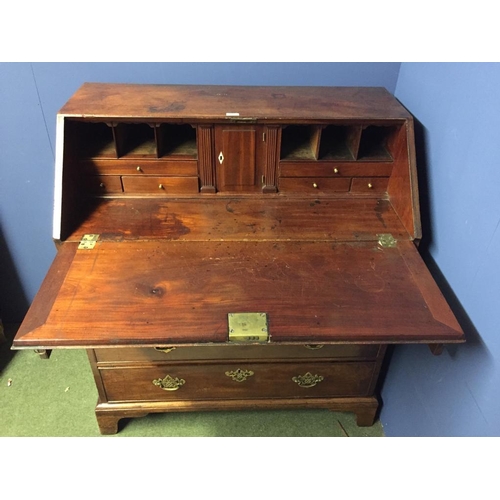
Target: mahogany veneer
column 299, row 203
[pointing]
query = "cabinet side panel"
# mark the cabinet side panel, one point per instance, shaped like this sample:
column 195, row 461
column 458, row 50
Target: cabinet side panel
column 403, row 186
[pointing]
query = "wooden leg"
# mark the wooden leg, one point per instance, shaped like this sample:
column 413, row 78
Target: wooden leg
column 43, row 353
column 366, row 417
column 107, row 420
column 108, row 423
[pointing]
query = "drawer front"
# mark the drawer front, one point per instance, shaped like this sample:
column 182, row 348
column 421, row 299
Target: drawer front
column 230, row 352
column 237, row 381
column 314, row 185
column 104, row 184
column 332, row 169
column 160, row 185
column 369, row 185
column 141, row 167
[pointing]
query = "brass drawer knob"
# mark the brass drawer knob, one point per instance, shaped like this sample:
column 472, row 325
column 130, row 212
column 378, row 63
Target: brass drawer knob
column 239, row 375
column 307, row 380
column 315, row 186
column 101, row 185
column 169, row 383
column 370, row 185
column 139, row 169
column 164, row 349
column 160, row 186
column 335, row 170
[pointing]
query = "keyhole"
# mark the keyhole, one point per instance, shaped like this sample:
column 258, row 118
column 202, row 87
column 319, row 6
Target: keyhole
column 221, row 157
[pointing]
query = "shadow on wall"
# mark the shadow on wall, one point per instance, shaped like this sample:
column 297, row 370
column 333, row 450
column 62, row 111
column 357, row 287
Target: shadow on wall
column 472, row 336
column 13, row 302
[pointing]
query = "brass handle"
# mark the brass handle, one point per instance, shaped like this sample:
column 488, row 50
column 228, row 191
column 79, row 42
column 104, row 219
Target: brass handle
column 315, row 185
column 160, row 186
column 139, row 169
column 307, row 380
column 370, row 185
column 239, row 375
column 335, row 170
column 169, row 383
column 314, row 347
column 164, row 349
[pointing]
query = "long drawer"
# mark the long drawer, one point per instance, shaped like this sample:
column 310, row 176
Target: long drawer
column 140, row 167
column 229, row 352
column 335, row 169
column 237, row 381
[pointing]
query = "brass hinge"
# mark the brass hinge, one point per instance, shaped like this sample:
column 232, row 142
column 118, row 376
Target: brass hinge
column 88, row 241
column 386, row 240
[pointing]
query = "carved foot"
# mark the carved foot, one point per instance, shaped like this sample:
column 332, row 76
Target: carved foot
column 108, row 424
column 366, row 418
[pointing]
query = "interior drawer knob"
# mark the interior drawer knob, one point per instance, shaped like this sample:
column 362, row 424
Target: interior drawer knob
column 335, row 170
column 315, row 186
column 169, row 383
column 370, row 185
column 307, row 380
column 139, row 169
column 160, row 186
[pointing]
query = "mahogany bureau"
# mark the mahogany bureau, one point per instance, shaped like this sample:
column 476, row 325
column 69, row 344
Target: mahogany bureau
column 235, row 247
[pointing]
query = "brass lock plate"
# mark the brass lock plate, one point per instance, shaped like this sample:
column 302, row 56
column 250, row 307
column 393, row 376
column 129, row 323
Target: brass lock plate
column 248, row 327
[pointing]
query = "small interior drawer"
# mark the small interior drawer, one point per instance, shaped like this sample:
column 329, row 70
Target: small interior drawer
column 160, row 185
column 314, row 185
column 369, row 185
column 104, row 184
column 141, row 167
column 335, row 169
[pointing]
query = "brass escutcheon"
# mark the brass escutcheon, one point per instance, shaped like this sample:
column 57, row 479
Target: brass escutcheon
column 314, row 347
column 239, row 375
column 307, row 380
column 164, row 349
column 169, row 383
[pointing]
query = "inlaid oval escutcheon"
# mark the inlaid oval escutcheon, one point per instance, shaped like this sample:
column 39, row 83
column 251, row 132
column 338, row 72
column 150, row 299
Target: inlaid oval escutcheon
column 164, row 349
column 307, row 380
column 169, row 383
column 314, row 347
column 239, row 375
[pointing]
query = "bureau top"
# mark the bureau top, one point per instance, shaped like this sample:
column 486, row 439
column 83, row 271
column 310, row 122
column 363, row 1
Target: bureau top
column 218, row 102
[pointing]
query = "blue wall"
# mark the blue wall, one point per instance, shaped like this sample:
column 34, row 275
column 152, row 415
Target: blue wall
column 31, row 95
column 455, row 394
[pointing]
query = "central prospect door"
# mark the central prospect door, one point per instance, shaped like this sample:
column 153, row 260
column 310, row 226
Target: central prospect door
column 239, row 154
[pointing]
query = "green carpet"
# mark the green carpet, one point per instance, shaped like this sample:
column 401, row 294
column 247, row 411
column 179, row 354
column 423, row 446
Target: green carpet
column 56, row 397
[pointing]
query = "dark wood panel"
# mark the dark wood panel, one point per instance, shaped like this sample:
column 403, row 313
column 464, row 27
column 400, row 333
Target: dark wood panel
column 211, row 381
column 175, row 292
